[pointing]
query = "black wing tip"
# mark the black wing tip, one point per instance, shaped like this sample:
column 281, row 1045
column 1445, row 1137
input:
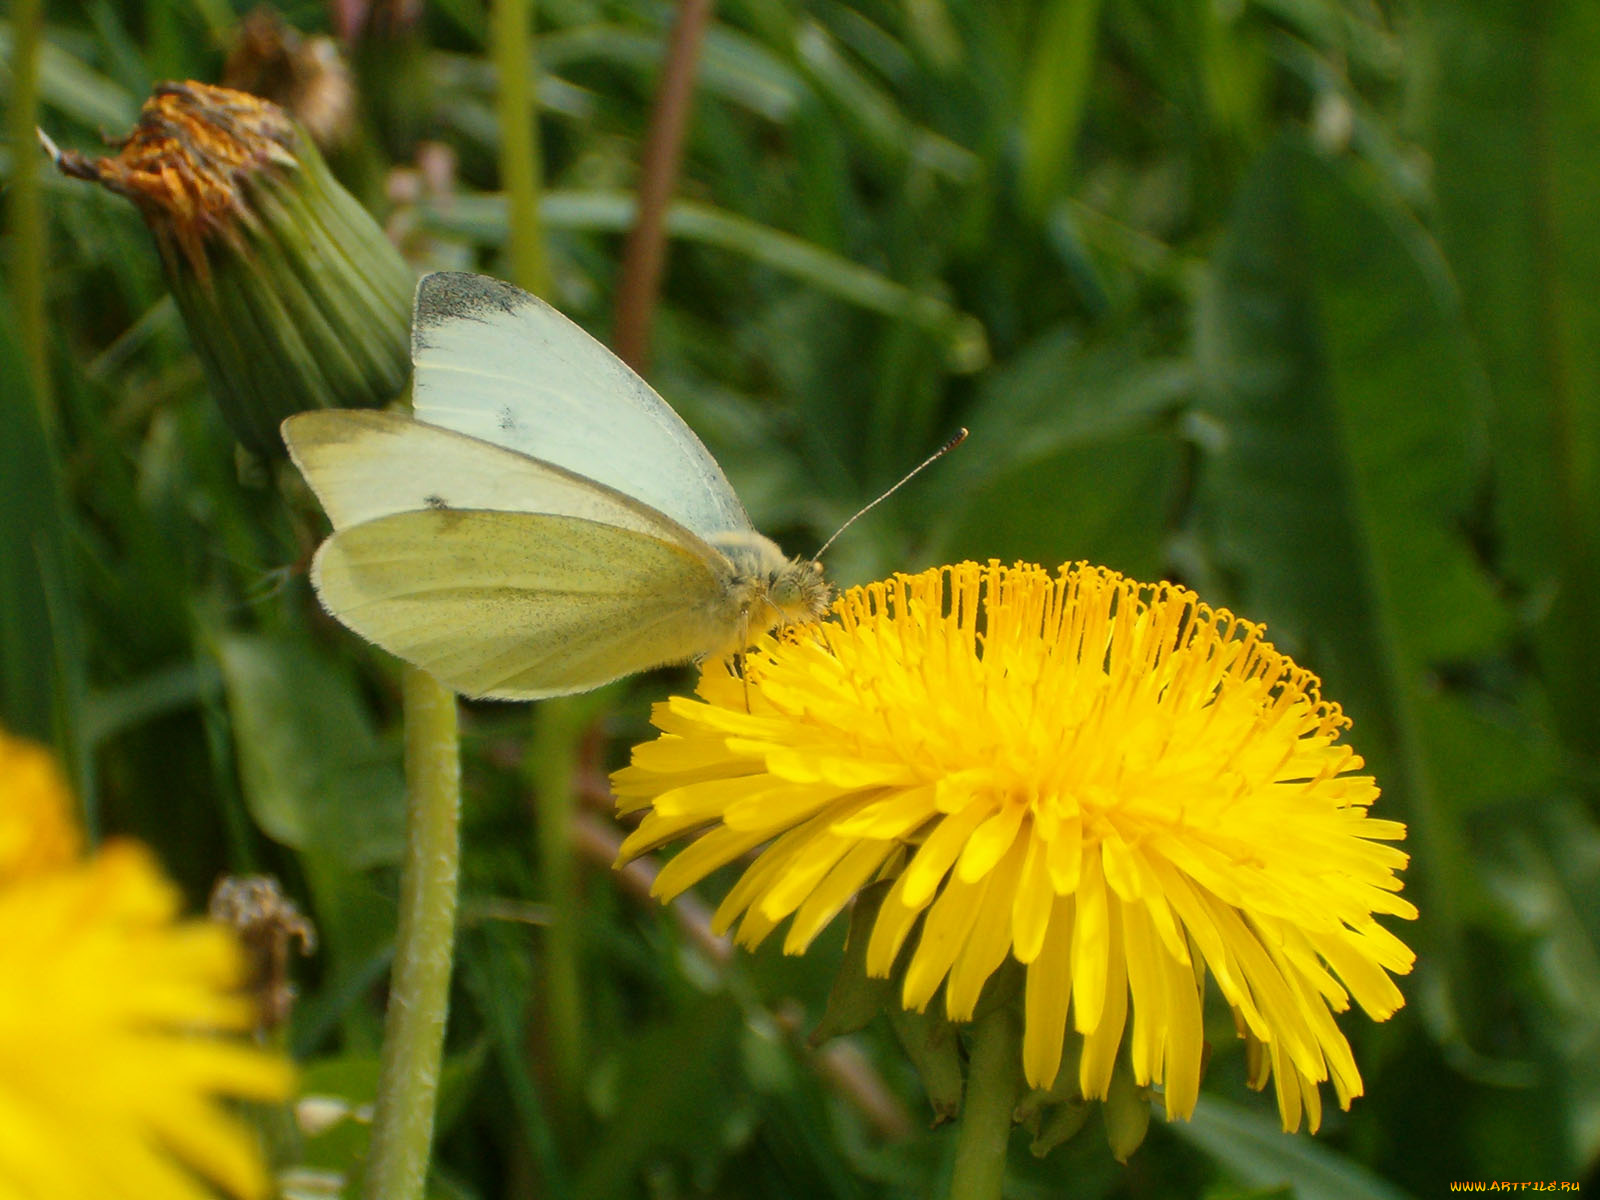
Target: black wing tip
column 461, row 295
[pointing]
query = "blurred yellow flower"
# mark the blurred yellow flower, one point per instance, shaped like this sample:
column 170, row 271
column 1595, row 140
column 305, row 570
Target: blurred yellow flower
column 111, row 1071
column 37, row 831
column 1110, row 782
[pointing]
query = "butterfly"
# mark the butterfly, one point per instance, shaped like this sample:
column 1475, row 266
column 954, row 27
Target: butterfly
column 544, row 522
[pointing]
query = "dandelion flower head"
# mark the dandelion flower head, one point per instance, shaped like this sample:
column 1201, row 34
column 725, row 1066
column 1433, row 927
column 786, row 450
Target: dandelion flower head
column 111, row 1067
column 36, row 826
column 1111, row 783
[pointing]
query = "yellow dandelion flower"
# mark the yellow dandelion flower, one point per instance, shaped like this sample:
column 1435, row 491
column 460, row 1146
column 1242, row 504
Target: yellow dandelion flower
column 37, row 831
column 1110, row 782
column 111, row 1070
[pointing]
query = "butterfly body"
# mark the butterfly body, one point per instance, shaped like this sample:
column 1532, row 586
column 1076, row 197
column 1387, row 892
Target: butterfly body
column 545, row 523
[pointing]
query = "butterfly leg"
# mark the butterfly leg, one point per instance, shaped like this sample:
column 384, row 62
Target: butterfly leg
column 744, row 644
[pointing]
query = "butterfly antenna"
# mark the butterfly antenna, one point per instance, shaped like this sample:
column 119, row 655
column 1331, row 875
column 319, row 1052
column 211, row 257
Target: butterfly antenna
column 961, row 436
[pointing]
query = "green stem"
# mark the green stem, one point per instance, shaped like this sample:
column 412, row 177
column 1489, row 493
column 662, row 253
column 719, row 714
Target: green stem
column 560, row 722
column 519, row 142
column 994, row 1085
column 26, row 215
column 559, row 727
column 419, row 986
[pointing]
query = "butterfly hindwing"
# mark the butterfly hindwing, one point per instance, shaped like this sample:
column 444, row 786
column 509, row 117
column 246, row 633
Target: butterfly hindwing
column 518, row 606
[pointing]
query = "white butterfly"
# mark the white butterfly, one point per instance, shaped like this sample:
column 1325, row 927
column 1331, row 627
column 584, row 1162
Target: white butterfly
column 545, row 523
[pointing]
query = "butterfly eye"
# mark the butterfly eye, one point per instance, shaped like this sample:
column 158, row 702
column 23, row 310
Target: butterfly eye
column 785, row 591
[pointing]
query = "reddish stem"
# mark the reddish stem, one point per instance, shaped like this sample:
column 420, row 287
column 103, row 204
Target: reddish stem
column 645, row 254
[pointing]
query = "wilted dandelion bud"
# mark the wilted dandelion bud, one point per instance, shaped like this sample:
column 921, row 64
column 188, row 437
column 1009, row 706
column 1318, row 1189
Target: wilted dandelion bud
column 267, row 924
column 293, row 296
column 306, row 75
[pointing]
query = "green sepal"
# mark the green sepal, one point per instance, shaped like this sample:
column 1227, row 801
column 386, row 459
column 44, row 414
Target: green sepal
column 856, row 998
column 935, row 1051
column 1060, row 1123
column 1127, row 1113
column 307, row 304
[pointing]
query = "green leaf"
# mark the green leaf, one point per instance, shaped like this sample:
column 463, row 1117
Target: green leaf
column 1259, row 1154
column 1490, row 755
column 74, row 89
column 42, row 668
column 733, row 67
column 1070, row 458
column 692, row 1056
column 1545, row 873
column 483, row 218
column 167, row 689
column 1106, row 502
column 1348, row 456
column 1512, row 128
column 873, row 112
column 338, row 1094
column 1061, row 64
column 315, row 775
column 1336, row 362
column 495, row 967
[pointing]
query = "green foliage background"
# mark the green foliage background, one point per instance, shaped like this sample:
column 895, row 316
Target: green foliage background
column 1297, row 301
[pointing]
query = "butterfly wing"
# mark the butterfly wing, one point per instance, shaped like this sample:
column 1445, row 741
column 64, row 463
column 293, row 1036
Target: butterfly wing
column 519, row 606
column 364, row 464
column 500, row 365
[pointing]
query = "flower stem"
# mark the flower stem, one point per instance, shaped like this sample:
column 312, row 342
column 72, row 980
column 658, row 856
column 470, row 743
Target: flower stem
column 419, row 986
column 994, row 1084
column 559, row 727
column 519, row 142
column 639, row 284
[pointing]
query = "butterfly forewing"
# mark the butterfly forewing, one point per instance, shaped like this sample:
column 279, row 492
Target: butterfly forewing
column 498, row 364
column 364, row 465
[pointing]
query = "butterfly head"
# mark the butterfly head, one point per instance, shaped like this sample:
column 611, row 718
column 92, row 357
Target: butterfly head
column 798, row 591
column 774, row 590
